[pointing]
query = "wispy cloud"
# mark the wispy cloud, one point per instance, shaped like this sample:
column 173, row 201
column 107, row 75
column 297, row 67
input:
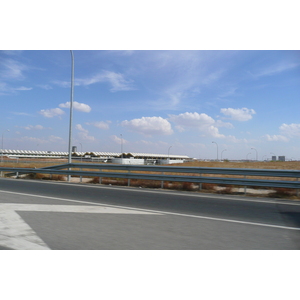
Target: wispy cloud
column 84, row 134
column 117, row 81
column 22, row 114
column 291, row 130
column 45, row 86
column 12, row 69
column 100, row 125
column 275, row 69
column 6, row 89
column 118, row 140
column 276, row 138
column 34, row 127
column 50, row 113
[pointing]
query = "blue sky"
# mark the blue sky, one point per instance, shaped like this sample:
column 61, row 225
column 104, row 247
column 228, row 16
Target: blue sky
column 155, row 99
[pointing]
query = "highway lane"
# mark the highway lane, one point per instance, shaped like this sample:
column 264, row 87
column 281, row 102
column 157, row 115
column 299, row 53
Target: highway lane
column 174, row 220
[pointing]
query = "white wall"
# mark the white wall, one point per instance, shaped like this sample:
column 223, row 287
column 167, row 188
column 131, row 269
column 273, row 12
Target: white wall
column 128, row 161
column 170, row 161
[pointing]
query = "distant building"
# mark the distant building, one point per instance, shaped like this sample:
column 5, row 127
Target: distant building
column 281, row 158
column 274, row 158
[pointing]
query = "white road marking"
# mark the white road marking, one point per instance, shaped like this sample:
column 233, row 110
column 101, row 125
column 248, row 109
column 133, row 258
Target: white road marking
column 159, row 212
column 15, row 233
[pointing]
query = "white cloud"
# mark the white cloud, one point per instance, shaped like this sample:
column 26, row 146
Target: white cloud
column 77, row 106
column 276, row 138
column 101, row 124
column 118, row 140
column 188, row 119
column 80, row 128
column 291, row 130
column 239, row 114
column 50, row 113
column 83, row 133
column 149, row 126
column 204, row 123
column 36, row 127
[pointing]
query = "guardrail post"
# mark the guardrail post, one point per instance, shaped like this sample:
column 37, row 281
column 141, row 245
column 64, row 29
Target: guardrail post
column 80, row 176
column 245, row 187
column 162, row 182
column 297, row 191
column 200, row 183
column 100, row 178
column 128, row 180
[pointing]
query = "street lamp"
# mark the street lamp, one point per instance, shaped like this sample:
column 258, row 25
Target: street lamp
column 2, row 144
column 222, row 153
column 81, row 151
column 247, row 156
column 217, row 150
column 71, row 112
column 256, row 153
column 121, row 146
column 169, row 152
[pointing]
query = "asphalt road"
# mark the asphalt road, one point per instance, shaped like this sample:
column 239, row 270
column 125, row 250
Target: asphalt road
column 50, row 215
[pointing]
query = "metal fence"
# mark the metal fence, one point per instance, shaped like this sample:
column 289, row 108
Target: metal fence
column 196, row 175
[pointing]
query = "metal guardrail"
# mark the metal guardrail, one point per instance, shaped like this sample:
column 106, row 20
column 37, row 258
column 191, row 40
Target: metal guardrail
column 109, row 170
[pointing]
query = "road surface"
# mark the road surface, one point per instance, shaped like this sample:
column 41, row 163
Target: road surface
column 53, row 215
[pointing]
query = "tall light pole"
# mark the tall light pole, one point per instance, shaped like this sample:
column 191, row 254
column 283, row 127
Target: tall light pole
column 71, row 112
column 71, row 108
column 121, row 146
column 2, row 145
column 217, row 150
column 256, row 153
column 222, row 152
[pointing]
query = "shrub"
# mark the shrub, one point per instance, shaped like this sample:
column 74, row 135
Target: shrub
column 226, row 190
column 95, row 180
column 208, row 186
column 188, row 186
column 282, row 193
column 145, row 183
column 46, row 176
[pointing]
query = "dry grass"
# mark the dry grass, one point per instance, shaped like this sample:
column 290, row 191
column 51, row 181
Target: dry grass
column 284, row 165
